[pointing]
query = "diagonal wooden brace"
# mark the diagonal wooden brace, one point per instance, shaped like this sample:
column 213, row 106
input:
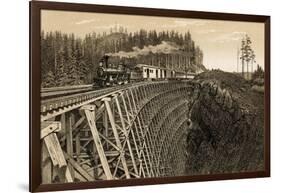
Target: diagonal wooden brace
column 51, row 141
column 90, row 115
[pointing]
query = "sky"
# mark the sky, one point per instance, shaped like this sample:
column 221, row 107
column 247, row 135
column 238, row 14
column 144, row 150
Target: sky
column 218, row 39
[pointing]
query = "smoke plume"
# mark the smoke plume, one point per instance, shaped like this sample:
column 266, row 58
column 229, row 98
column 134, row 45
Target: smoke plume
column 163, row 48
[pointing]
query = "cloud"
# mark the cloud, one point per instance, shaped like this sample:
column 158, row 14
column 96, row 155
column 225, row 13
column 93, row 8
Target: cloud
column 183, row 23
column 86, row 21
column 104, row 26
column 239, row 32
column 112, row 26
column 229, row 37
column 206, row 31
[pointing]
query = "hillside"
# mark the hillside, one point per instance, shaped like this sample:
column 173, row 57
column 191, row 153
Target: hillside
column 227, row 125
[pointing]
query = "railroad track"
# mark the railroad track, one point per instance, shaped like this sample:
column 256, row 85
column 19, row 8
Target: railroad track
column 51, row 107
column 65, row 90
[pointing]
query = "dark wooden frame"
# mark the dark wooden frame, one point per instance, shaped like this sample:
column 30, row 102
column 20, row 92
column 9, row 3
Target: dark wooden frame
column 35, row 79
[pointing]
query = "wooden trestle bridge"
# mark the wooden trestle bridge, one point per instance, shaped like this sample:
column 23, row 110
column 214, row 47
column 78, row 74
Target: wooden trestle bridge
column 131, row 131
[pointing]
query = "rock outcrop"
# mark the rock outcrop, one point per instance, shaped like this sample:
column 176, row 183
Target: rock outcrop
column 226, row 126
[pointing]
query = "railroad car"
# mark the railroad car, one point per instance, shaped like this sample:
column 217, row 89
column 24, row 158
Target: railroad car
column 149, row 72
column 183, row 75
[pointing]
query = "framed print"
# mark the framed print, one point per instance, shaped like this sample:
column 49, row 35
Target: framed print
column 123, row 96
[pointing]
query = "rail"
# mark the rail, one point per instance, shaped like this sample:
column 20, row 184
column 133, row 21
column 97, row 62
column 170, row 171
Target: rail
column 64, row 90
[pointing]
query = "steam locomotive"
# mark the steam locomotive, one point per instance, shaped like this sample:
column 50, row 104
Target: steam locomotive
column 109, row 74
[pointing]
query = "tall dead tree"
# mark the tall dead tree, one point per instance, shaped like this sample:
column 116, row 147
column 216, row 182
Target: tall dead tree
column 246, row 54
column 253, row 60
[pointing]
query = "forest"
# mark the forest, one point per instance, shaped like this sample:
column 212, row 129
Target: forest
column 71, row 60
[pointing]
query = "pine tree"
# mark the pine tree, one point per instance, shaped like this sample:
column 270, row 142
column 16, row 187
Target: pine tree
column 48, row 80
column 247, row 54
column 61, row 75
column 259, row 73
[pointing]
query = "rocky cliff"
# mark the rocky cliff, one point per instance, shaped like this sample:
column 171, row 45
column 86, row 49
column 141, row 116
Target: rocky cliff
column 226, row 125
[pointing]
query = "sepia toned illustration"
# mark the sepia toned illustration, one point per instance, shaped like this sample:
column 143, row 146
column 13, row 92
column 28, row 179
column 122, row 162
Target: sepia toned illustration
column 128, row 96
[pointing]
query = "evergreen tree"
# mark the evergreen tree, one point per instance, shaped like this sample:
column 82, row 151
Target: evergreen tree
column 247, row 54
column 48, row 80
column 259, row 73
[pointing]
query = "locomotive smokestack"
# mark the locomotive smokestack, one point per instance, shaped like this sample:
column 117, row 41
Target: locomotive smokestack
column 106, row 57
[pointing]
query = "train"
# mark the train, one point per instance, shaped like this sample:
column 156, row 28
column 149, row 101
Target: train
column 109, row 74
